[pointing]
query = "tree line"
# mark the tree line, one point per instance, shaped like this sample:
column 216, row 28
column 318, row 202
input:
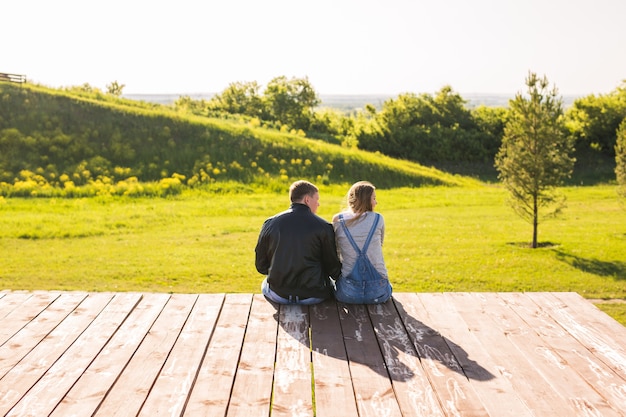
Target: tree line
column 90, row 142
column 426, row 128
column 81, row 142
column 533, row 143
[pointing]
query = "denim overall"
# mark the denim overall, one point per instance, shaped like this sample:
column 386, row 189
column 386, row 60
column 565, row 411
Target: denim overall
column 365, row 286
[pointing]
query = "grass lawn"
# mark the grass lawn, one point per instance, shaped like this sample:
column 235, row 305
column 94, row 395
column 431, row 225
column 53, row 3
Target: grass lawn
column 437, row 239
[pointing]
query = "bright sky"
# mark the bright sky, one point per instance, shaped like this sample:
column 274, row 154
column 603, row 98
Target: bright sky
column 342, row 46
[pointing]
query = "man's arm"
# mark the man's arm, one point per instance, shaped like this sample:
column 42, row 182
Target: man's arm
column 262, row 261
column 330, row 258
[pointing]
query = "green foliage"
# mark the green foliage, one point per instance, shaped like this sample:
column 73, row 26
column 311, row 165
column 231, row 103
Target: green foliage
column 73, row 139
column 186, row 105
column 115, row 88
column 285, row 102
column 535, row 154
column 30, row 184
column 332, row 126
column 427, row 129
column 491, row 122
column 437, row 130
column 291, row 102
column 620, row 158
column 593, row 121
column 240, row 98
column 82, row 130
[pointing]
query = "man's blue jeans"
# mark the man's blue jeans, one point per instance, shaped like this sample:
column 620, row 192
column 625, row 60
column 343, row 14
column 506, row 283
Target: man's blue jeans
column 272, row 296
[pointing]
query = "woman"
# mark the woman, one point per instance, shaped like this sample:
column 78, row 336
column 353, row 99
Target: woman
column 359, row 222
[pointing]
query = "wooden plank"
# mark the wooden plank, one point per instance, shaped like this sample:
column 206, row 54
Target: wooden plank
column 411, row 386
column 89, row 391
column 455, row 392
column 592, row 316
column 561, row 381
column 44, row 396
column 24, row 375
column 482, row 354
column 293, row 394
column 493, row 324
column 252, row 390
column 605, row 337
column 16, row 348
column 569, row 350
column 11, row 301
column 334, row 395
column 211, row 391
column 492, row 387
column 371, row 382
column 173, row 386
column 27, row 311
column 131, row 389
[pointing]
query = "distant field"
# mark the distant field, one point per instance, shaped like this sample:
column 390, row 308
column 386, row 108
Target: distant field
column 438, row 239
column 350, row 102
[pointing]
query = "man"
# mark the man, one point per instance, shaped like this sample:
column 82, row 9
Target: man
column 297, row 252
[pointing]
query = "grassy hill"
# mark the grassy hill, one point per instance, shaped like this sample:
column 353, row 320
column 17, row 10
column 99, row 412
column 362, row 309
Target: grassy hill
column 61, row 140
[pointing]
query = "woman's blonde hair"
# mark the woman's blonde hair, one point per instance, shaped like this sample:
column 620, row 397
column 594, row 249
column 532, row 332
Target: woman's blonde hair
column 360, row 198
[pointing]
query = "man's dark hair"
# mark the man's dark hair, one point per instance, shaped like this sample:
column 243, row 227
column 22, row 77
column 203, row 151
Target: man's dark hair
column 301, row 188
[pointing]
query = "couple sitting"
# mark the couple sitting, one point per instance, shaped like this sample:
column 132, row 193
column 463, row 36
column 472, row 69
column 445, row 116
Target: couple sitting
column 297, row 250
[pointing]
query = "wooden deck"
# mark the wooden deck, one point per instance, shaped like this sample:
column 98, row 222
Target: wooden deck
column 427, row 354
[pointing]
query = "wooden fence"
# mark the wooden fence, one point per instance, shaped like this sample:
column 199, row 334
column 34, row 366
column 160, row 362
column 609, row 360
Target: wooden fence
column 14, row 78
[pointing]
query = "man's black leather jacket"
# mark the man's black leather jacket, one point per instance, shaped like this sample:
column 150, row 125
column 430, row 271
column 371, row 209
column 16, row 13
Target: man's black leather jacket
column 297, row 251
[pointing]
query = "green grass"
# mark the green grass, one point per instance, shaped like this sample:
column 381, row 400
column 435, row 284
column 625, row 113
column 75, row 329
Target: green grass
column 437, row 239
column 61, row 144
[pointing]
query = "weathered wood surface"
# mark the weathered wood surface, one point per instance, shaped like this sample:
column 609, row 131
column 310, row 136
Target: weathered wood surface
column 420, row 354
column 14, row 78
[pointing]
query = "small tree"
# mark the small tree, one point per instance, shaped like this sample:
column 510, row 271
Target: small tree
column 620, row 159
column 534, row 157
column 115, row 88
